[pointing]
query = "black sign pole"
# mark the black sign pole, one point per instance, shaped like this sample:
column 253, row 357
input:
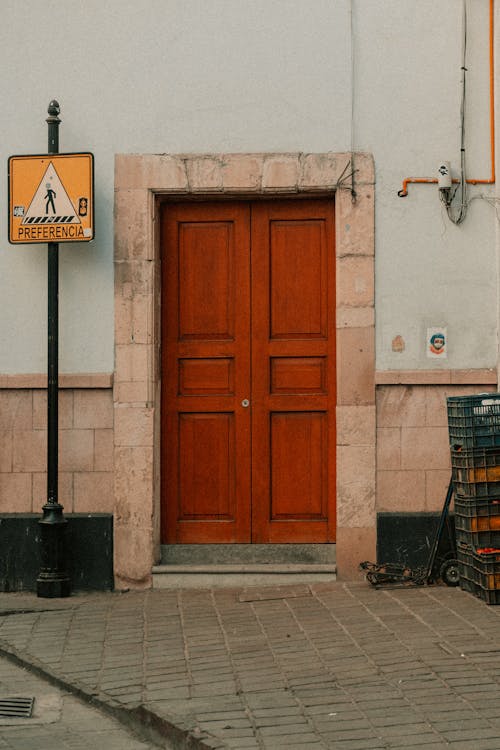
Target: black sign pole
column 53, row 580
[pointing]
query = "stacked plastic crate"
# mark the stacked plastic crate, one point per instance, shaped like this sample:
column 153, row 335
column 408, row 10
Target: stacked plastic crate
column 474, row 429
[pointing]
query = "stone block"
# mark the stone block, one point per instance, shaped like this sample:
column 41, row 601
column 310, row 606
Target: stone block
column 126, row 170
column 94, row 492
column 134, row 426
column 365, row 168
column 15, row 493
column 281, row 173
column 16, row 410
column 64, row 491
column 388, row 448
column 136, row 392
column 76, row 450
column 29, row 450
column 436, row 414
column 150, row 171
column 355, row 282
column 134, row 277
column 103, row 450
column 242, row 172
column 356, row 425
column 482, row 377
column 134, row 486
column 133, row 362
column 133, row 225
column 401, row 406
column 413, row 377
column 436, row 487
column 401, row 490
column 321, row 170
column 355, row 317
column 93, row 409
column 204, row 174
column 425, row 448
column 124, row 323
column 40, row 409
column 353, row 546
column 356, row 485
column 355, row 223
column 5, row 450
column 133, row 555
column 164, row 172
column 356, row 366
column 142, row 327
column 86, row 380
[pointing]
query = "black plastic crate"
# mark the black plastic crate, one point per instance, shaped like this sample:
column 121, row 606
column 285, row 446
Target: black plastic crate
column 479, row 573
column 476, row 473
column 490, row 596
column 476, row 458
column 487, row 575
column 475, row 489
column 487, row 568
column 477, row 515
column 466, row 569
column 474, row 421
column 476, row 539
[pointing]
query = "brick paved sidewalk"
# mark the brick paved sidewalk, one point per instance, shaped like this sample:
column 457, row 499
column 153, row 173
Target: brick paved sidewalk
column 341, row 666
column 59, row 721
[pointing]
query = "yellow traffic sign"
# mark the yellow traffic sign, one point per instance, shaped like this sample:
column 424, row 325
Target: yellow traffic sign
column 51, row 198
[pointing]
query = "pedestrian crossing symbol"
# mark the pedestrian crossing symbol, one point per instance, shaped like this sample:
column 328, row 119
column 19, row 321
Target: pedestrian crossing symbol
column 51, row 198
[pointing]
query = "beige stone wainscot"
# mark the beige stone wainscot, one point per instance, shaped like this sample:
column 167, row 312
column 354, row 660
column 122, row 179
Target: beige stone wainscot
column 86, row 443
column 413, row 450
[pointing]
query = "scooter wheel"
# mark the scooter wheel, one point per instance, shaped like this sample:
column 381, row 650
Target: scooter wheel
column 449, row 572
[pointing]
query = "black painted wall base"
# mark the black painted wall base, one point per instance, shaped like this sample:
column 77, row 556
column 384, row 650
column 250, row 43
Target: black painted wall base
column 89, row 551
column 407, row 538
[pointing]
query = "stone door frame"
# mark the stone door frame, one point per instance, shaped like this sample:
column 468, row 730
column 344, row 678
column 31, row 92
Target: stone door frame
column 142, row 182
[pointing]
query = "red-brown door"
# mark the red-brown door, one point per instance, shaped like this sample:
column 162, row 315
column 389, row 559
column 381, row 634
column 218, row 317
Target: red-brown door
column 248, row 372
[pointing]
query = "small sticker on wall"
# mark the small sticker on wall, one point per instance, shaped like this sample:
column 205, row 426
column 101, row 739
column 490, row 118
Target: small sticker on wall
column 436, row 343
column 398, row 344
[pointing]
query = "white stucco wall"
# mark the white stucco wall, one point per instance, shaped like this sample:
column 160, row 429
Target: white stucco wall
column 430, row 273
column 257, row 75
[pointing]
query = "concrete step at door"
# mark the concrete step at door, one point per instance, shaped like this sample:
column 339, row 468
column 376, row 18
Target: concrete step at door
column 236, row 565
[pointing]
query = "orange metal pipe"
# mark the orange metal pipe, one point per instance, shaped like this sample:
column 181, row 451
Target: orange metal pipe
column 404, row 190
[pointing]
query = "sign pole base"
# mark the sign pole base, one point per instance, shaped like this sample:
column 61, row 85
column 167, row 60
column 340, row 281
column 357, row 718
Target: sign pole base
column 53, row 582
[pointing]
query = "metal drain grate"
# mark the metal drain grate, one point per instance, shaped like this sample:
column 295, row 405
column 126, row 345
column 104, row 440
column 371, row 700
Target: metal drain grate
column 17, row 707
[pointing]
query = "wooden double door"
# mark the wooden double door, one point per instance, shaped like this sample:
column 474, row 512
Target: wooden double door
column 248, row 372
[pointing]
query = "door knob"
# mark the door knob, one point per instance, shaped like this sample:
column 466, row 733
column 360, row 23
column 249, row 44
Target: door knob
column 245, row 403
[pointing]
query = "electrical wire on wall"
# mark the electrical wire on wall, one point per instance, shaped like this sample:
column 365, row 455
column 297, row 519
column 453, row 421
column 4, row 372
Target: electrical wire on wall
column 346, row 180
column 455, row 199
column 458, row 214
column 353, row 170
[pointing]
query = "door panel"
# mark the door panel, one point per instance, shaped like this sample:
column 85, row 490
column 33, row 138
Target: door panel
column 206, row 373
column 297, row 271
column 206, row 280
column 207, row 467
column 293, row 372
column 248, row 314
column 298, row 461
column 298, row 375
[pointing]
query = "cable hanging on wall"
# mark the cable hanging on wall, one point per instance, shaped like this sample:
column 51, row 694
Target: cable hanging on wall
column 341, row 183
column 453, row 192
column 446, row 194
